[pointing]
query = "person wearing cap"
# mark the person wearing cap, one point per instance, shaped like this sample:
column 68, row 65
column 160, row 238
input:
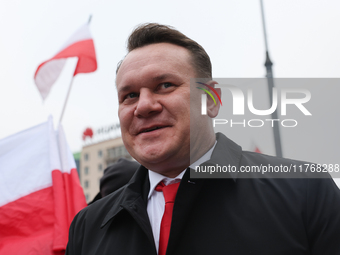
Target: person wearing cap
column 164, row 211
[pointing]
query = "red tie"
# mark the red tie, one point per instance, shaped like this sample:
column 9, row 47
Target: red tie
column 169, row 193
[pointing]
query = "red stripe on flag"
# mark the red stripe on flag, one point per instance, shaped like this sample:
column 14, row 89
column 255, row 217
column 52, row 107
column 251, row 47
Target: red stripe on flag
column 85, row 52
column 38, row 223
column 27, row 224
column 68, row 201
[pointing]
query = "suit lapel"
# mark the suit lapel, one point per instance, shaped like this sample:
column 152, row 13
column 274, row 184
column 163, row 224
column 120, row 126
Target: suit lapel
column 187, row 195
column 137, row 210
column 133, row 200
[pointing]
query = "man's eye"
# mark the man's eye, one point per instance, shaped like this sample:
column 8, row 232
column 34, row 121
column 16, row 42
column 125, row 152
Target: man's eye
column 166, row 85
column 131, row 95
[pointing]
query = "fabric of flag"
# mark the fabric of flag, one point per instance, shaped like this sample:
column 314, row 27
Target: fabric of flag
column 40, row 192
column 79, row 45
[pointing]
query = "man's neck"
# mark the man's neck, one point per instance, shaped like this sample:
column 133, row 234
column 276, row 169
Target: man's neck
column 175, row 172
column 197, row 152
column 203, row 158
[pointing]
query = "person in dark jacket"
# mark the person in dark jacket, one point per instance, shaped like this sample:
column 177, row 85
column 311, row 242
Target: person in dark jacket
column 234, row 215
column 116, row 176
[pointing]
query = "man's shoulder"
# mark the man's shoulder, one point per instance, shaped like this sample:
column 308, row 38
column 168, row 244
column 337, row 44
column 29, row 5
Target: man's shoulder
column 255, row 158
column 249, row 164
column 109, row 199
column 227, row 145
column 100, row 208
column 276, row 167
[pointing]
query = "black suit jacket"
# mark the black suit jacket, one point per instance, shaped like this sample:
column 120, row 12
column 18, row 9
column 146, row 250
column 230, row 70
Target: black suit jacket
column 218, row 216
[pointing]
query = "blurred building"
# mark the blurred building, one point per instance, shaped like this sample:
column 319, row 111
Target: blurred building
column 94, row 158
column 76, row 157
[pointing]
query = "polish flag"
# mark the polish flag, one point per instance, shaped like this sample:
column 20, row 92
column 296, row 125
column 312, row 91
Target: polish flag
column 40, row 192
column 79, row 45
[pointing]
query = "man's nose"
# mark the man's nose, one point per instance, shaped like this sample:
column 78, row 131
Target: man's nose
column 148, row 104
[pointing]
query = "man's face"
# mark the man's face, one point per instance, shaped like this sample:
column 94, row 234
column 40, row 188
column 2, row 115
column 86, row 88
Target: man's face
column 153, row 86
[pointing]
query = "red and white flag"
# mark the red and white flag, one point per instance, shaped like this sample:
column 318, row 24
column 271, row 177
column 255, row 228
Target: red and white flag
column 79, row 45
column 40, row 192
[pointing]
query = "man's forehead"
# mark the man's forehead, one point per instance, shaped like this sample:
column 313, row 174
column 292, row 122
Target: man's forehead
column 153, row 56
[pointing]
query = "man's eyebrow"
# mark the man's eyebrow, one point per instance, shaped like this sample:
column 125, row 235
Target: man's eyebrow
column 124, row 89
column 164, row 76
column 156, row 78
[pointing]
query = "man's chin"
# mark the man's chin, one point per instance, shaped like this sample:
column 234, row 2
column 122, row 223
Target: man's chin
column 164, row 163
column 152, row 157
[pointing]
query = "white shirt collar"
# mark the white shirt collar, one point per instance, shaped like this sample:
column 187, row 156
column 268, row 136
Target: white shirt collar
column 156, row 178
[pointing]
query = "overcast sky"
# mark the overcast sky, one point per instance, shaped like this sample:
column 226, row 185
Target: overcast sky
column 303, row 38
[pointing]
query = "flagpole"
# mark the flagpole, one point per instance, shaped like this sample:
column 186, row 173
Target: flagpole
column 67, row 96
column 268, row 64
column 70, row 86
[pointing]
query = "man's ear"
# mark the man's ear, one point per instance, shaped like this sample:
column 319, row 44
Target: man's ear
column 212, row 107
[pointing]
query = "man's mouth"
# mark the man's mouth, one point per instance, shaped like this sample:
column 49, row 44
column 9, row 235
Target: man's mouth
column 150, row 129
column 146, row 130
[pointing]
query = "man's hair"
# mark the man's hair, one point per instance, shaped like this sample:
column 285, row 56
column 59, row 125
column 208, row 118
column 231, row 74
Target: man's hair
column 151, row 33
